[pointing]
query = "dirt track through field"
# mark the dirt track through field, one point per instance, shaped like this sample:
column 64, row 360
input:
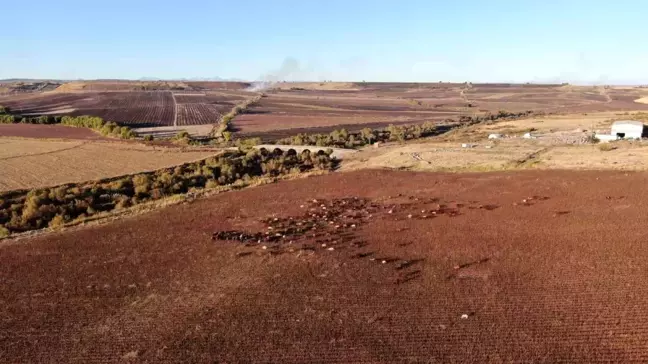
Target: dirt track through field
column 501, row 267
column 175, row 109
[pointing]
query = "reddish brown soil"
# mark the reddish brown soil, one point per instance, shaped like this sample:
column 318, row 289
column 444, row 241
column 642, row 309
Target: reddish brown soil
column 47, row 131
column 126, row 85
column 381, row 104
column 286, row 112
column 559, row 277
column 134, row 108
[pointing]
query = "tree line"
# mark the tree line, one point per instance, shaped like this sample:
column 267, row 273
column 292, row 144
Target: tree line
column 53, row 207
column 223, row 130
column 341, row 138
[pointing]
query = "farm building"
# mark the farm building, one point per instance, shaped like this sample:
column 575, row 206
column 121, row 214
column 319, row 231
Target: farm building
column 628, row 129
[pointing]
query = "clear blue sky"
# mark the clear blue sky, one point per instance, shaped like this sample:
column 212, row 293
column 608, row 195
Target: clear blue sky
column 578, row 41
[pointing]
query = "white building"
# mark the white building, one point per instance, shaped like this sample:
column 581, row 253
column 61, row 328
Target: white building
column 628, row 129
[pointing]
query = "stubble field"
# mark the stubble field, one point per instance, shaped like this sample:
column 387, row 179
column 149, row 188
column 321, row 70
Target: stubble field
column 29, row 163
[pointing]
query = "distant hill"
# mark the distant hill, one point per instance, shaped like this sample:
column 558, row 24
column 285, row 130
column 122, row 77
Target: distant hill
column 30, row 80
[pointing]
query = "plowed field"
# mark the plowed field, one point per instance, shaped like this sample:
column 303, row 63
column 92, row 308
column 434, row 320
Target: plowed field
column 29, row 163
column 48, row 131
column 302, row 109
column 403, row 267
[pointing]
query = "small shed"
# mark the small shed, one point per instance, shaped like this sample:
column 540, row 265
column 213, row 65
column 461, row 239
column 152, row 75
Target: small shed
column 628, row 129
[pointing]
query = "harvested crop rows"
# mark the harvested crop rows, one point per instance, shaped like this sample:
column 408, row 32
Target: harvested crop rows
column 201, row 109
column 43, row 103
column 369, row 266
column 199, row 114
column 216, row 99
column 136, row 109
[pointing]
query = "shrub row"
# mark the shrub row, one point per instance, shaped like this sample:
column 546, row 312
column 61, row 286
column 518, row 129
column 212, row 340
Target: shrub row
column 51, row 207
column 17, row 119
column 223, row 130
column 344, row 139
column 108, row 128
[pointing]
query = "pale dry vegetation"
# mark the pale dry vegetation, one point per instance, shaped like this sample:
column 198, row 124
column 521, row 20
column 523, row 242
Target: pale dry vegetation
column 554, row 123
column 554, row 147
column 617, row 156
column 643, row 100
column 445, row 156
column 29, row 163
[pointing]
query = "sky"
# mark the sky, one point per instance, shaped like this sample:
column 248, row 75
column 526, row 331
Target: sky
column 577, row 41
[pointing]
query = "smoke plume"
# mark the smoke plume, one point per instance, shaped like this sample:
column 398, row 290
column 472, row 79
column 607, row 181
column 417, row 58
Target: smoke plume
column 289, row 69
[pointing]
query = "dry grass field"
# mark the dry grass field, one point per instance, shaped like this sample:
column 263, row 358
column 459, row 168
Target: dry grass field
column 28, row 163
column 441, row 156
column 643, row 100
column 557, row 144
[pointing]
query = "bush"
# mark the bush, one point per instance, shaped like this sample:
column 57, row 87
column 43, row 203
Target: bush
column 149, row 138
column 127, row 133
column 7, row 119
column 4, row 232
column 141, row 184
column 212, row 184
column 182, row 135
column 57, row 222
column 606, row 147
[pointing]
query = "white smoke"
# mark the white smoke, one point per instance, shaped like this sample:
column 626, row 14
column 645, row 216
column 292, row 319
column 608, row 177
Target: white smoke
column 289, row 69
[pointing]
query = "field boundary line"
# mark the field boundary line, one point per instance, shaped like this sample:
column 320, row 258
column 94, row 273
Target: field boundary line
column 175, row 109
column 45, row 153
column 529, row 159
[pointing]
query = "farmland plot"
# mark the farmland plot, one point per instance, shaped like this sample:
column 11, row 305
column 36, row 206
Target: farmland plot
column 420, row 267
column 43, row 103
column 136, row 109
column 28, row 163
column 216, row 99
column 128, row 108
column 201, row 109
column 199, row 114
